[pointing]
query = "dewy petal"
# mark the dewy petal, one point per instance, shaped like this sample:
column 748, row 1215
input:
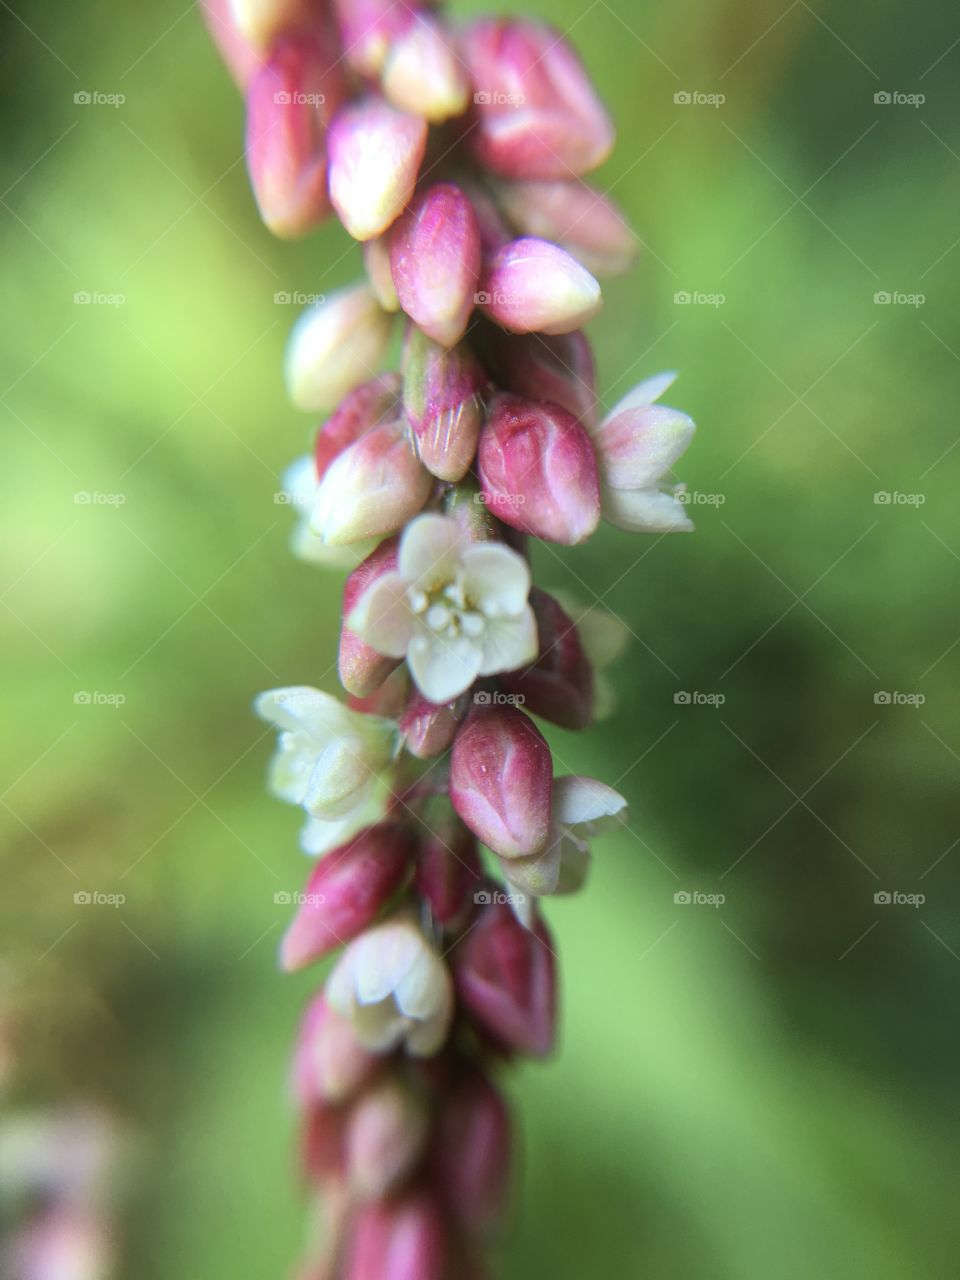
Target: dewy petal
column 644, row 393
column 509, row 643
column 383, row 618
column 498, row 577
column 444, row 668
column 577, row 800
column 644, row 511
column 430, row 551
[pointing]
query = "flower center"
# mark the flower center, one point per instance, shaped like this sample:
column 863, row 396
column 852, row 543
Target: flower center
column 447, row 611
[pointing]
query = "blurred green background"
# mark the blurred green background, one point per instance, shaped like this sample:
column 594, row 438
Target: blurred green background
column 761, row 1089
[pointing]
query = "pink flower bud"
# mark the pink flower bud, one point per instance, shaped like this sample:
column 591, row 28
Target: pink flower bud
column 442, row 401
column 501, row 779
column 532, row 286
column 560, row 368
column 346, row 892
column 538, row 472
column 505, row 978
column 364, row 407
column 362, row 668
column 376, row 259
column 423, row 74
column 375, row 153
column 575, row 216
column 537, row 113
column 369, row 27
column 448, row 865
column 435, row 258
column 262, row 21
column 289, row 103
column 471, row 1165
column 330, row 1063
column 335, row 345
column 385, row 1135
column 240, row 56
column 322, row 1152
column 397, row 1240
column 559, row 684
column 427, row 728
column 372, row 488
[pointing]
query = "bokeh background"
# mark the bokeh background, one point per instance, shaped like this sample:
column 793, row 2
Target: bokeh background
column 761, row 1088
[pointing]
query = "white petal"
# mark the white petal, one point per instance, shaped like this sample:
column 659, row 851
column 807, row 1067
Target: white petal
column 574, row 865
column 577, row 799
column 311, row 548
column 603, row 636
column 424, row 989
column 299, row 482
column 537, row 874
column 636, row 449
column 299, row 708
column 291, row 767
column 383, row 618
column 430, row 551
column 382, row 958
column 319, row 837
column 425, row 1038
column 644, row 393
column 379, row 1027
column 337, row 780
column 645, row 511
column 509, row 643
column 443, row 668
column 496, row 578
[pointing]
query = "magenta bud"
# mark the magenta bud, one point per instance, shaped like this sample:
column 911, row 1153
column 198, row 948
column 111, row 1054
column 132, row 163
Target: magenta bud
column 423, row 74
column 537, row 113
column 505, row 978
column 375, row 153
column 367, row 405
column 386, row 1131
column 471, row 1164
column 448, row 864
column 575, row 216
column 533, row 286
column 330, row 1063
column 559, row 684
column 435, row 258
column 538, row 471
column 346, row 892
column 362, row 668
column 442, row 399
column 369, row 27
column 427, row 727
column 558, row 368
column 501, row 780
column 322, row 1152
column 242, row 58
column 397, row 1240
column 290, row 101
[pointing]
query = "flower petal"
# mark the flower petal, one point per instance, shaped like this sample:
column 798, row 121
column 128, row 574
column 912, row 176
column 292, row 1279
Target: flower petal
column 509, row 643
column 644, row 511
column 496, row 579
column 383, row 617
column 577, row 800
column 638, row 448
column 300, row 709
column 430, row 551
column 444, row 668
column 644, row 393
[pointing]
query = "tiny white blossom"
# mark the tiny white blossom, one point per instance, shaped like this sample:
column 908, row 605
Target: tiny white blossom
column 394, row 988
column 637, row 443
column 330, row 760
column 300, row 487
column 455, row 609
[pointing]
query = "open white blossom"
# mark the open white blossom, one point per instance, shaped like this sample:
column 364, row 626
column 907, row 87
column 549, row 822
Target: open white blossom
column 394, row 988
column 330, row 760
column 637, row 443
column 581, row 809
column 300, row 487
column 455, row 609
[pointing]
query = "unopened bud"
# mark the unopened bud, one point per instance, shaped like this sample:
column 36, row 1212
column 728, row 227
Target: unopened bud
column 330, row 1063
column 559, row 684
column 435, row 258
column 448, row 865
column 422, row 73
column 375, row 153
column 335, row 345
column 385, row 1135
column 558, row 368
column 362, row 668
column 442, row 401
column 533, row 286
column 472, row 1153
column 397, row 1240
column 365, row 407
column 575, row 216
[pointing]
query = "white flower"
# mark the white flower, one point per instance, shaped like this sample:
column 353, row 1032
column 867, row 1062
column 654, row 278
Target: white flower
column 637, row 443
column 582, row 808
column 455, row 609
column 300, row 487
column 394, row 988
column 330, row 760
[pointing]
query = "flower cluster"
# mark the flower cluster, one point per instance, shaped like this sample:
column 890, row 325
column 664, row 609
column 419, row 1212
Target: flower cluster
column 456, row 157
